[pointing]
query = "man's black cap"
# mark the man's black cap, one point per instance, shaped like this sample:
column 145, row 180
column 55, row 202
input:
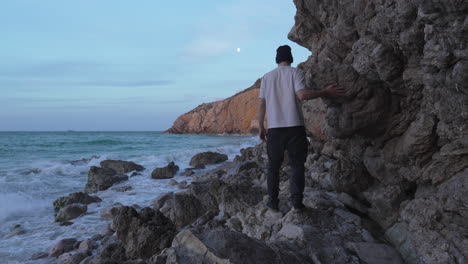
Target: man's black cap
column 283, row 53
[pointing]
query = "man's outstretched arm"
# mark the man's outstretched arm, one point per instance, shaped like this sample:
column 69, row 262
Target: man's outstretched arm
column 261, row 118
column 330, row 90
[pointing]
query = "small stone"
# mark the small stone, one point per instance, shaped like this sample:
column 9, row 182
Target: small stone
column 39, row 255
column 88, row 244
column 188, row 173
column 97, row 237
column 182, row 185
column 173, row 182
column 122, row 188
column 66, row 223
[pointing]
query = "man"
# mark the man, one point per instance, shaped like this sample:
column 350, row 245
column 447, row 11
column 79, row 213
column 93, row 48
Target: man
column 281, row 93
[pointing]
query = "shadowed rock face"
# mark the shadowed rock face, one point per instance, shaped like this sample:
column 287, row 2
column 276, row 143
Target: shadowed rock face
column 236, row 114
column 399, row 138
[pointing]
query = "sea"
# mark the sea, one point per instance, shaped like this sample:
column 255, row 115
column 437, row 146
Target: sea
column 37, row 167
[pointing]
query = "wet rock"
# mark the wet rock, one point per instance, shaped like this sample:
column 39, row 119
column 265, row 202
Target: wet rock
column 183, row 185
column 165, row 172
column 248, row 165
column 66, row 223
column 122, row 188
column 78, row 197
column 63, row 246
column 100, row 179
column 121, row 166
column 88, row 244
column 207, row 158
column 83, row 161
column 173, row 182
column 74, row 258
column 16, row 230
column 97, row 237
column 188, row 172
column 109, row 212
column 39, row 255
column 143, row 234
column 70, row 212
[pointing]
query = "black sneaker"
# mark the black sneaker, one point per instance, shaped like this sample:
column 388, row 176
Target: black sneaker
column 272, row 206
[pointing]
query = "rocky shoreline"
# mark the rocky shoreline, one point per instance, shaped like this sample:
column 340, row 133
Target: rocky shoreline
column 221, row 218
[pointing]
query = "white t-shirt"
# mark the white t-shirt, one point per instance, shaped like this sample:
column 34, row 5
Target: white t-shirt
column 279, row 88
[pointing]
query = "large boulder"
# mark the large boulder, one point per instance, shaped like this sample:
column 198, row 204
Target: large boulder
column 78, row 197
column 100, row 179
column 121, row 166
column 182, row 208
column 224, row 247
column 143, row 234
column 165, row 172
column 70, row 212
column 206, row 158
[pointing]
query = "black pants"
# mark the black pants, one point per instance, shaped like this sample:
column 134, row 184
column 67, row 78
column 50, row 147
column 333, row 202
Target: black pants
column 294, row 140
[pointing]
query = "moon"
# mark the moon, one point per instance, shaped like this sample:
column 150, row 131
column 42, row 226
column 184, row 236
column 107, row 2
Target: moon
column 238, row 50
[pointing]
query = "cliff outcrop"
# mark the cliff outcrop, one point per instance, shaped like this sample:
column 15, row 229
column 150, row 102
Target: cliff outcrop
column 398, row 141
column 234, row 115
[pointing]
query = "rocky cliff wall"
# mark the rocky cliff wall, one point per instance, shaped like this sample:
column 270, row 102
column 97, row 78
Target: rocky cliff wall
column 234, row 115
column 399, row 140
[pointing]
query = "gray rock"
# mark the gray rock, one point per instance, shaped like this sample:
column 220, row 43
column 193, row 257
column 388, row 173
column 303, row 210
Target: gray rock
column 100, row 179
column 207, row 158
column 63, row 246
column 371, row 253
column 39, row 255
column 143, row 234
column 121, row 166
column 83, row 161
column 188, row 173
column 78, row 197
column 122, row 188
column 70, row 212
column 88, row 244
column 165, row 172
column 173, row 182
column 75, row 258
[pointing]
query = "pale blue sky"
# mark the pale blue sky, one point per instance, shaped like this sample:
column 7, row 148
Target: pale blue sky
column 131, row 65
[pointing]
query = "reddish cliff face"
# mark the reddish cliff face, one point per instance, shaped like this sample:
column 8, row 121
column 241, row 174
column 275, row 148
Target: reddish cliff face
column 234, row 115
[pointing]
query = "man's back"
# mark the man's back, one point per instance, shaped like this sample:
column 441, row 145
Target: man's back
column 279, row 88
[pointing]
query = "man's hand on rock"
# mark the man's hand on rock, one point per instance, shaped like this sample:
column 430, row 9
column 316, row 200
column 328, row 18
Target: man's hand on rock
column 263, row 134
column 335, row 90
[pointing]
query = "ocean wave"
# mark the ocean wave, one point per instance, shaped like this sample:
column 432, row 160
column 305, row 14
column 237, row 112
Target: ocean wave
column 14, row 204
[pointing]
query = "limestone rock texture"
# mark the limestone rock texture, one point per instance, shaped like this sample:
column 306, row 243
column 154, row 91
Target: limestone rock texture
column 398, row 141
column 234, row 115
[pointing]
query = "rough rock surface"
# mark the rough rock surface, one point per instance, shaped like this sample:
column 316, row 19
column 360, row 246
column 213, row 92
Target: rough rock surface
column 121, row 166
column 78, row 197
column 398, row 139
column 100, row 179
column 165, row 172
column 143, row 234
column 70, row 212
column 236, row 114
column 207, row 158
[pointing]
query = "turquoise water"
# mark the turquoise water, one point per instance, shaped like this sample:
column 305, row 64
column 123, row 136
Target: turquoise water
column 36, row 168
